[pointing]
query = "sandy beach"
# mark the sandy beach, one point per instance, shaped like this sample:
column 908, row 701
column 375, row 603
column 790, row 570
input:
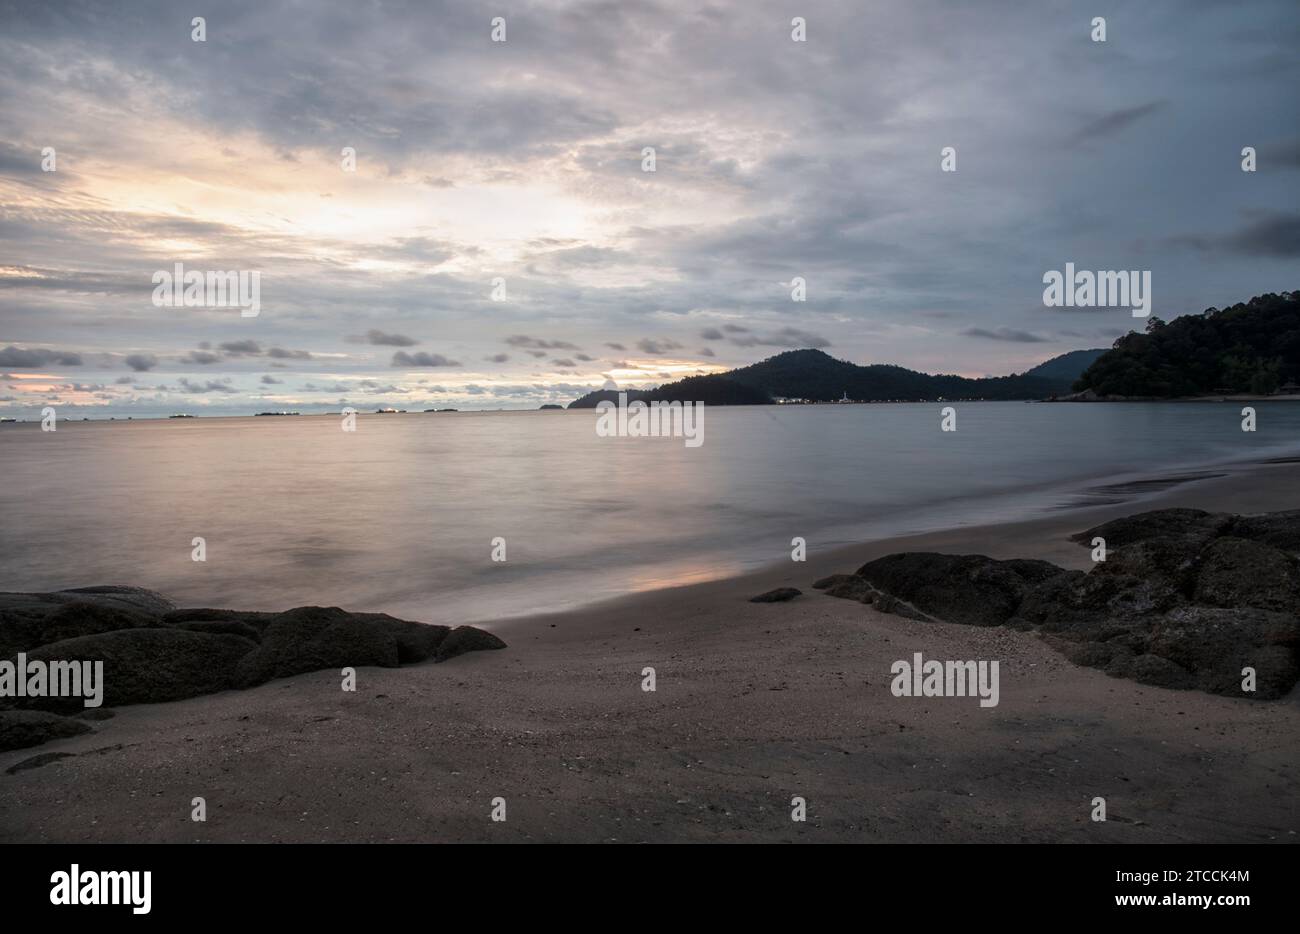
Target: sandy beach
column 754, row 704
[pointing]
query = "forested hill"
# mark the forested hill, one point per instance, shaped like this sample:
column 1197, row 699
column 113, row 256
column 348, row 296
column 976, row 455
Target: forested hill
column 1249, row 348
column 819, row 377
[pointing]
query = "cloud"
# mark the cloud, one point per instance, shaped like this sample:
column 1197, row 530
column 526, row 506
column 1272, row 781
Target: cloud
column 402, row 358
column 382, row 339
column 141, row 362
column 1270, row 235
column 1109, row 124
column 712, row 334
column 280, row 353
column 242, row 347
column 201, row 357
column 523, row 340
column 268, row 380
column 616, row 346
column 209, row 386
column 1006, row 334
column 706, row 352
column 786, row 337
column 498, row 358
column 563, row 363
column 19, row 357
column 660, row 346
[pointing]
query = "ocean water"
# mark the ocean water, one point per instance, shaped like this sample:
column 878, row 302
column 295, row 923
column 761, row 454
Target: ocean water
column 400, row 515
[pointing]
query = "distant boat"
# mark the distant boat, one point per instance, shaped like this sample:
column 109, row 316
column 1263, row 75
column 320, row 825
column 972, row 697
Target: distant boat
column 390, row 411
column 180, row 416
column 8, row 419
column 277, row 413
column 442, row 410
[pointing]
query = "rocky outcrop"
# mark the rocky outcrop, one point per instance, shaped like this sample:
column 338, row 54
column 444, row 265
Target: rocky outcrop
column 970, row 589
column 20, row 729
column 1184, row 599
column 464, row 639
column 146, row 666
column 154, row 652
column 779, row 595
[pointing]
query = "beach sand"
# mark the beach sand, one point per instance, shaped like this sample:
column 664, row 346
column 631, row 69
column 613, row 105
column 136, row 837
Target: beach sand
column 755, row 704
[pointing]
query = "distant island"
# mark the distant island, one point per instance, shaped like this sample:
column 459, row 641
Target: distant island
column 1249, row 348
column 815, row 376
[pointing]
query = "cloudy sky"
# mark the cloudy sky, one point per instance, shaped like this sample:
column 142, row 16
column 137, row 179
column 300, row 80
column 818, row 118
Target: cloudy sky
column 523, row 160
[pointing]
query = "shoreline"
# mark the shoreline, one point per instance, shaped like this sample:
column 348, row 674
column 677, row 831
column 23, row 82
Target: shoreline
column 754, row 703
column 1230, row 491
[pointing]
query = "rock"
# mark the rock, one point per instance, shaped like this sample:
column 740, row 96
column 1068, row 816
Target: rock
column 147, row 666
column 890, row 604
column 22, row 728
column 1089, row 654
column 1194, row 524
column 464, row 639
column 852, row 587
column 1151, row 669
column 416, row 642
column 1184, row 599
column 1277, row 529
column 36, row 761
column 232, row 627
column 970, row 589
column 23, row 631
column 1173, row 560
column 312, row 638
column 138, row 599
column 1235, row 572
column 1215, row 644
column 257, row 621
column 779, row 595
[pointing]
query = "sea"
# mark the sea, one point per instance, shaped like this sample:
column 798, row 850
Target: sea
column 479, row 516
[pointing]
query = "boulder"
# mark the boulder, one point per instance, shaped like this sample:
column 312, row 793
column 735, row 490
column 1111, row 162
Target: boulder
column 1236, row 572
column 970, row 589
column 1151, row 669
column 464, row 639
column 852, row 587
column 20, row 729
column 312, row 638
column 24, row 630
column 833, row 579
column 779, row 595
column 1185, row 599
column 1277, row 529
column 148, row 602
column 416, row 642
column 147, row 666
column 1196, row 525
column 233, row 627
column 1215, row 645
column 253, row 620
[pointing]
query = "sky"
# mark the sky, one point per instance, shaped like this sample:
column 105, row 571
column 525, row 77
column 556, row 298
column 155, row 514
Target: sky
column 519, row 166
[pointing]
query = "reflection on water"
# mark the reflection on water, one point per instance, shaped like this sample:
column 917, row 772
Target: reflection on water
column 399, row 516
